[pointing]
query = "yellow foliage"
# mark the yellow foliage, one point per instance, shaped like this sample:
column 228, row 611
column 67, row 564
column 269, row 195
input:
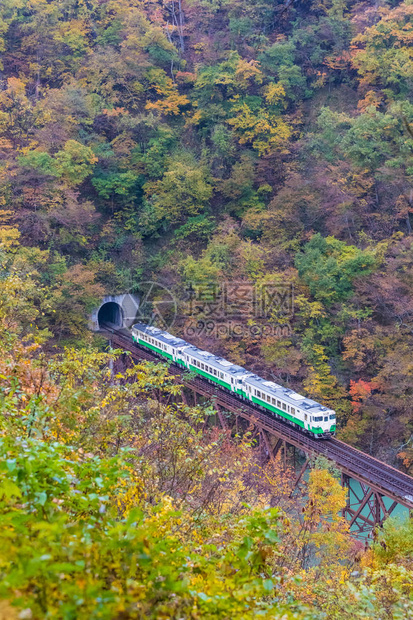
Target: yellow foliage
column 264, row 131
column 171, row 105
column 274, row 93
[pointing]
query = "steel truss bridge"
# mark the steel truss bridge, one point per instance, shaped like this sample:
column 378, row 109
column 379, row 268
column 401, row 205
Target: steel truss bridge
column 379, row 487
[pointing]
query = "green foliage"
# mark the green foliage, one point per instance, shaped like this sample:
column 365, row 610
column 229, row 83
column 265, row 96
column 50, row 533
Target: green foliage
column 329, row 267
column 120, row 183
column 183, row 190
column 72, row 164
column 199, row 226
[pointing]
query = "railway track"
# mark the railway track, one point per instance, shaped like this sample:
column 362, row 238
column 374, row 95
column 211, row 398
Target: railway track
column 379, row 476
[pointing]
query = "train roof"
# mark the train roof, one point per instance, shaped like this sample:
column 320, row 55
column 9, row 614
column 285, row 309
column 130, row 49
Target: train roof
column 285, row 394
column 160, row 335
column 215, row 361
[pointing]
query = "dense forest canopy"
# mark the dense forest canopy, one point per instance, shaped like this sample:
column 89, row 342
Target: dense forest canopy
column 183, row 140
column 252, row 142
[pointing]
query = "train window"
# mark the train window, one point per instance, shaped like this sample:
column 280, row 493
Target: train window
column 258, row 394
column 222, row 375
column 284, row 406
column 318, row 418
column 268, row 399
column 305, row 417
column 273, row 401
column 279, row 404
column 292, row 411
column 326, row 418
column 332, row 417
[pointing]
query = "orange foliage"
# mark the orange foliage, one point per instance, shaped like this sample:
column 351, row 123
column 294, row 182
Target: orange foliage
column 361, row 390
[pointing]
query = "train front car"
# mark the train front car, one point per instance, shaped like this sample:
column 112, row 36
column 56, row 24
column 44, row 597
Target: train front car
column 294, row 408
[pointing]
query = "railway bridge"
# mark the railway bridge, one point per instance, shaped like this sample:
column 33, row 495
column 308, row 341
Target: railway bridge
column 375, row 489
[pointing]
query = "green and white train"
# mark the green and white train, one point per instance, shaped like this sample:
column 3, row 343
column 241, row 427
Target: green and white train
column 278, row 401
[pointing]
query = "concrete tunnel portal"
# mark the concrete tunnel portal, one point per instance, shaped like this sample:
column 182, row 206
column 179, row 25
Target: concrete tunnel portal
column 118, row 310
column 110, row 312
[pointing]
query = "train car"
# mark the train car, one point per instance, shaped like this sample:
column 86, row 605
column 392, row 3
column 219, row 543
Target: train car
column 284, row 403
column 277, row 400
column 158, row 341
column 215, row 369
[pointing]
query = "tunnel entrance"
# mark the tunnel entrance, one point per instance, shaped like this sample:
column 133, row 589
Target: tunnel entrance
column 110, row 312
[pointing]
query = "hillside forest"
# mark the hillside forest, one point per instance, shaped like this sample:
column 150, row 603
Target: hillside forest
column 257, row 141
column 200, row 143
